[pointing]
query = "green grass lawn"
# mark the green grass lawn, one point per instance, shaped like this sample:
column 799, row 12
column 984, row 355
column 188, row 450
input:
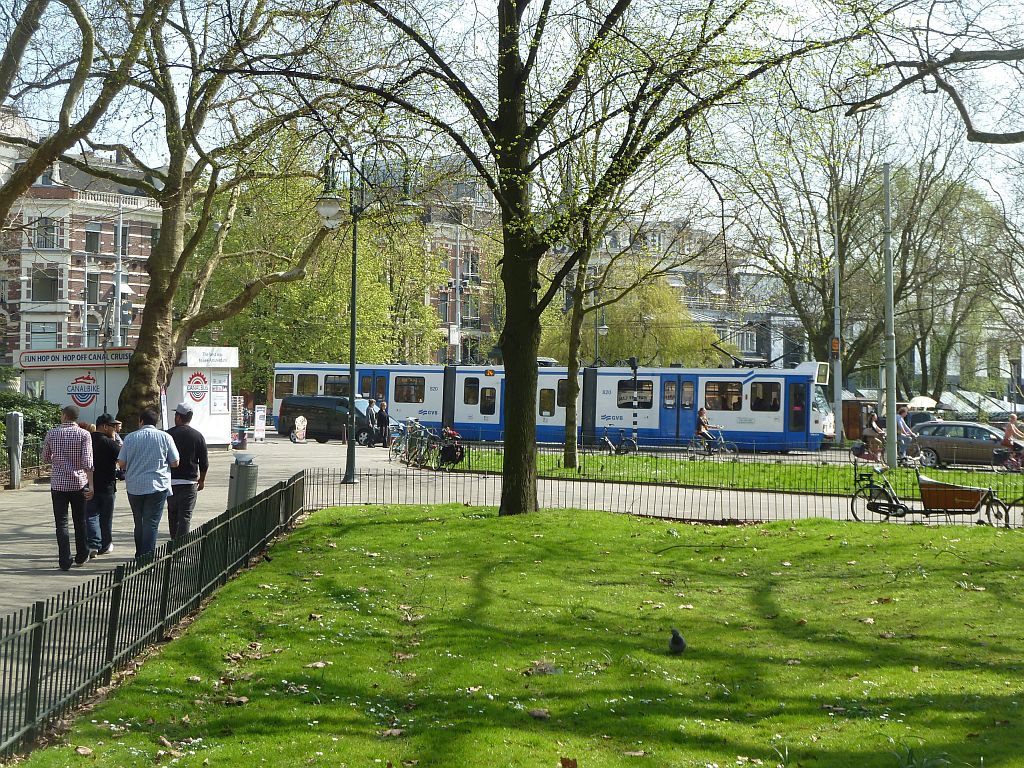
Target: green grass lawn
column 799, row 473
column 447, row 636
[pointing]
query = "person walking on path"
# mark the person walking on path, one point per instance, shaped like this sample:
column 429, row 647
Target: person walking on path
column 147, row 457
column 189, row 477
column 371, row 419
column 68, row 448
column 384, row 424
column 99, row 512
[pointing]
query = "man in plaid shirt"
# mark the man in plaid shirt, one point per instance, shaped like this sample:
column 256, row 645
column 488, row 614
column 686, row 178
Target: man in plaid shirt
column 68, row 448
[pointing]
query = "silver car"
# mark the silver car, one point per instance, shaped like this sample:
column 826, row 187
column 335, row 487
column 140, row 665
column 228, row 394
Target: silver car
column 957, row 442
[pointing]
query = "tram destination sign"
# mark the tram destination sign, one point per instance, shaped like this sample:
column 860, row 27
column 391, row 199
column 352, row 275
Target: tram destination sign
column 74, row 358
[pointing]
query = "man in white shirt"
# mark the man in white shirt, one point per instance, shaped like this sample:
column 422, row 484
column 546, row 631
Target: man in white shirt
column 146, row 458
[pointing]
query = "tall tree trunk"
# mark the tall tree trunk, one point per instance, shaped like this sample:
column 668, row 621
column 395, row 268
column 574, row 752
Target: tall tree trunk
column 570, row 457
column 154, row 358
column 520, row 341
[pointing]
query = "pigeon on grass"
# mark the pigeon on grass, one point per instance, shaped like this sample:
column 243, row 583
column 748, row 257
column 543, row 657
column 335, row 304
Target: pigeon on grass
column 676, row 644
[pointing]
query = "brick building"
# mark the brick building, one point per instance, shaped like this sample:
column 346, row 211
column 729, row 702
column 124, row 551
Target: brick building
column 67, row 239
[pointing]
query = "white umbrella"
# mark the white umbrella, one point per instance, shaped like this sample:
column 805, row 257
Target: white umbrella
column 922, row 403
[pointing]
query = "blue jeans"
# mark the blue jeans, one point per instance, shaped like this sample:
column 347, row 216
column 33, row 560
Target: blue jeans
column 76, row 501
column 147, row 509
column 903, row 442
column 99, row 517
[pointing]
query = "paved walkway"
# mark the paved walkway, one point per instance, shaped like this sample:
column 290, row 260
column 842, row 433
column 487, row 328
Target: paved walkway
column 28, row 548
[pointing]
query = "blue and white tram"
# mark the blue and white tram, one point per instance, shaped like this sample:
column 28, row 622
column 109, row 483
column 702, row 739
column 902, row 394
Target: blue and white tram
column 758, row 408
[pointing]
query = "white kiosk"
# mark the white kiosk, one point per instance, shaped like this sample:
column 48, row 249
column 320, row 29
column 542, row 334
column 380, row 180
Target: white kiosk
column 93, row 379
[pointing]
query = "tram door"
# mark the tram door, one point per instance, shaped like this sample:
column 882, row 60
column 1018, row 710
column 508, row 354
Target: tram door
column 678, row 414
column 797, row 409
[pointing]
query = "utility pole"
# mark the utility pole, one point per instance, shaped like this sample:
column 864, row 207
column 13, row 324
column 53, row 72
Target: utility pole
column 890, row 326
column 458, row 288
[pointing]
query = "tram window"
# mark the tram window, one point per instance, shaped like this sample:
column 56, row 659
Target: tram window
column 409, row 389
column 471, row 391
column 488, row 398
column 336, row 386
column 382, row 387
column 669, row 395
column 308, row 384
column 644, row 393
column 723, row 395
column 547, row 402
column 765, row 396
column 284, row 385
column 797, row 407
column 366, row 386
column 563, row 393
column 686, row 401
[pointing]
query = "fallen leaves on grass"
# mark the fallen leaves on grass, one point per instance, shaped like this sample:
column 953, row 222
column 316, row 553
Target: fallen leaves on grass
column 868, row 620
column 315, row 616
column 318, row 664
column 83, row 751
column 236, row 701
column 539, row 714
column 567, row 762
column 392, row 733
column 542, row 667
column 635, row 753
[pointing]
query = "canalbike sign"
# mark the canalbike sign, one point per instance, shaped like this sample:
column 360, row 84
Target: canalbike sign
column 83, row 390
column 197, row 386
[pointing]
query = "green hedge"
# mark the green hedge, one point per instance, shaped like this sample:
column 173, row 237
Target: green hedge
column 39, row 414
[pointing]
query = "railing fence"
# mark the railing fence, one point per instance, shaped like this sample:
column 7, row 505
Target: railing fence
column 59, row 650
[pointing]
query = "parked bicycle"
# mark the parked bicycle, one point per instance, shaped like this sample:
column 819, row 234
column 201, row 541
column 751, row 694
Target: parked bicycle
column 621, row 448
column 712, row 446
column 875, row 498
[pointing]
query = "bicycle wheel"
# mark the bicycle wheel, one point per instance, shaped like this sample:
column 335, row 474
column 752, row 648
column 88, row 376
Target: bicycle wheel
column 396, row 449
column 697, row 447
column 729, row 449
column 874, row 495
column 997, row 512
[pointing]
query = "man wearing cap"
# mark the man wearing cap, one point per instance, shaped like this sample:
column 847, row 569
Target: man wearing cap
column 189, row 477
column 69, row 450
column 99, row 512
column 147, row 457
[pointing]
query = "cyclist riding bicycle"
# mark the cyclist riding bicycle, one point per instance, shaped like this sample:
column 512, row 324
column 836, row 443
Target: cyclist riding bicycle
column 704, row 427
column 1010, row 437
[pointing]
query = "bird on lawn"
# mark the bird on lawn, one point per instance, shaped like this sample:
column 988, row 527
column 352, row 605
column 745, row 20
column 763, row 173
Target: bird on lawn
column 676, row 644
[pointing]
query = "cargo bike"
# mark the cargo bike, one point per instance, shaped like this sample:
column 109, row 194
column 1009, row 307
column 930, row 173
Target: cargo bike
column 874, row 498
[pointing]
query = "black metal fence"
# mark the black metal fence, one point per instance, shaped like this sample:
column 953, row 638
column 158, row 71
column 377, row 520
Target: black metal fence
column 31, row 461
column 59, row 650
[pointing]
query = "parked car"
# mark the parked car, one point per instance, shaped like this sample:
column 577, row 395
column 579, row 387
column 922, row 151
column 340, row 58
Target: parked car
column 957, row 442
column 326, row 417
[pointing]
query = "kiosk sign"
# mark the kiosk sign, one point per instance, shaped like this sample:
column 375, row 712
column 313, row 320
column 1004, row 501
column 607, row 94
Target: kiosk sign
column 197, row 385
column 83, row 390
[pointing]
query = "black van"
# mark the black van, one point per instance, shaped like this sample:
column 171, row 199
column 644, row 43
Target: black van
column 326, row 417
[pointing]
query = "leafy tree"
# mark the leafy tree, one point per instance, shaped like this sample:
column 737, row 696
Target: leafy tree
column 493, row 87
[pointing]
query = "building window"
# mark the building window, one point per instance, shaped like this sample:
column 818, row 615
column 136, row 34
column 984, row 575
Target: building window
column 470, row 263
column 748, row 342
column 284, row 385
column 92, row 289
column 93, row 235
column 723, row 395
column 409, row 389
column 154, row 238
column 44, row 335
column 442, row 307
column 123, row 240
column 644, row 393
column 92, row 332
column 336, row 386
column 44, row 284
column 46, row 233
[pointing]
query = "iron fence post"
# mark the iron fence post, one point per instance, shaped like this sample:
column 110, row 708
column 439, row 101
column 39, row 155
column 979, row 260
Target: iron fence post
column 165, row 588
column 113, row 622
column 35, row 667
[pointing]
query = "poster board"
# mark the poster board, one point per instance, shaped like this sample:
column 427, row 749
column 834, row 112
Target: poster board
column 259, row 426
column 220, row 391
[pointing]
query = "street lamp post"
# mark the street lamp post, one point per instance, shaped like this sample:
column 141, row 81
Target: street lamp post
column 329, row 207
column 890, row 325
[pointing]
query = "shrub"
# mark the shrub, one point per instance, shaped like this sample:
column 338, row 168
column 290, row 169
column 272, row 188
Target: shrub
column 40, row 415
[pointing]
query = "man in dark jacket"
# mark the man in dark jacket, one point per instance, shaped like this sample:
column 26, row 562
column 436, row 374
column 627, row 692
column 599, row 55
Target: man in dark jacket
column 384, row 425
column 99, row 511
column 189, row 477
